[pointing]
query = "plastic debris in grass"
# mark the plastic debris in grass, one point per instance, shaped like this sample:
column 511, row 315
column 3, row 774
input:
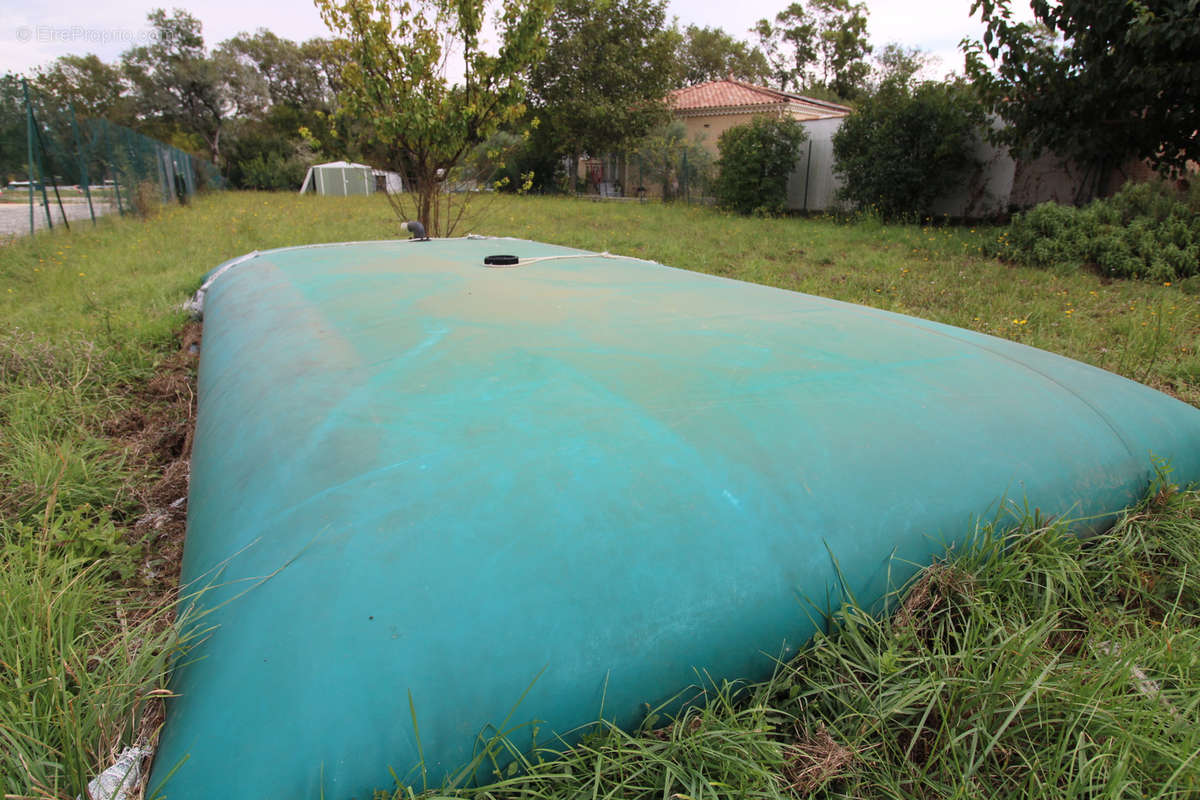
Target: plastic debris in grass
column 121, row 780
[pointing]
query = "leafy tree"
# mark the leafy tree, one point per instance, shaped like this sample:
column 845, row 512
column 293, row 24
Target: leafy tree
column 294, row 73
column 14, row 162
column 267, row 150
column 710, row 54
column 821, row 45
column 899, row 65
column 789, row 45
column 668, row 158
column 903, row 147
column 1114, row 79
column 395, row 56
column 92, row 87
column 603, row 82
column 842, row 45
column 177, row 84
column 756, row 160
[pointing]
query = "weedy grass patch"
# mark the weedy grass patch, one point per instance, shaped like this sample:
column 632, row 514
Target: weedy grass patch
column 1148, row 231
column 1063, row 669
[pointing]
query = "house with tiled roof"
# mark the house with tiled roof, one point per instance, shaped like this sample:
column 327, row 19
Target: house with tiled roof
column 708, row 109
column 998, row 185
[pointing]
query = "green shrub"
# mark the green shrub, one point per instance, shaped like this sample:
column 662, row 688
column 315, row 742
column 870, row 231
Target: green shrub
column 666, row 157
column 756, row 160
column 1147, row 230
column 273, row 172
column 904, row 147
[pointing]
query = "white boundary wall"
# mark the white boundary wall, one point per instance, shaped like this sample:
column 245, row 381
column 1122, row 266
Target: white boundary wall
column 999, row 184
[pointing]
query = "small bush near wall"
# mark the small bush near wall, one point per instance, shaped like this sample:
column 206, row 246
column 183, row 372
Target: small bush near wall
column 904, row 147
column 273, row 172
column 756, row 160
column 1147, row 230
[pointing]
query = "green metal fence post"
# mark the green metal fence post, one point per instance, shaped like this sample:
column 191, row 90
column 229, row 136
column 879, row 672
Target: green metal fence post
column 29, row 148
column 83, row 174
column 112, row 169
column 32, row 121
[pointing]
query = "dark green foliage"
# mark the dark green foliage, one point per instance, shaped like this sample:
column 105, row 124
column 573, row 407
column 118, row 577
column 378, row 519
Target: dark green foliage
column 178, row 85
column 679, row 167
column 268, row 153
column 395, row 75
column 14, row 164
column 1096, row 80
column 603, row 81
column 511, row 163
column 818, row 45
column 273, row 172
column 904, row 147
column 85, row 536
column 711, row 54
column 92, row 87
column 1147, row 230
column 756, row 160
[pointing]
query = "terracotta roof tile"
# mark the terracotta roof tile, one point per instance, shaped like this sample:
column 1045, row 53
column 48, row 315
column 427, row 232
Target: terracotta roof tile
column 730, row 93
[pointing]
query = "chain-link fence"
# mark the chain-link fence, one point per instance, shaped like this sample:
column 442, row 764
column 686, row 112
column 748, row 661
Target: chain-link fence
column 65, row 168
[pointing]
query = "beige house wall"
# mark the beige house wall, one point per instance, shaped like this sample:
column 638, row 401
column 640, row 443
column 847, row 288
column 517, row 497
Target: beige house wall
column 710, row 127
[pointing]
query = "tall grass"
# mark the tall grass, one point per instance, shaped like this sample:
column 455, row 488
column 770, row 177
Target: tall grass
column 998, row 676
column 84, row 661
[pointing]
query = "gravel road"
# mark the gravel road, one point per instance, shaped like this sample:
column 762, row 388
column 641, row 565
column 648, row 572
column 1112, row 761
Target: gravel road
column 14, row 217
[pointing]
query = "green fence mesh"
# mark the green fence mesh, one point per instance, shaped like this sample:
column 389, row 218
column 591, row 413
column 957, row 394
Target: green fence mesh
column 69, row 168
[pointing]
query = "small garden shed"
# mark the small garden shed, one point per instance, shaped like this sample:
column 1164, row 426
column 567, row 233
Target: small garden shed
column 340, row 179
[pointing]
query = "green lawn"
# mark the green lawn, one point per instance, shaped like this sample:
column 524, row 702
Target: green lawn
column 1009, row 677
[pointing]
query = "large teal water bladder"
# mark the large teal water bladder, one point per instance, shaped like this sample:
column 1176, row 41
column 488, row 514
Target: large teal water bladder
column 577, row 482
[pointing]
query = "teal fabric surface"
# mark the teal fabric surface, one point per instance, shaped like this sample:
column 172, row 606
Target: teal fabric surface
column 418, row 476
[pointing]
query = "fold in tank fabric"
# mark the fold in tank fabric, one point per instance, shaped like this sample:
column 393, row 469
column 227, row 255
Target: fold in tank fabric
column 415, row 475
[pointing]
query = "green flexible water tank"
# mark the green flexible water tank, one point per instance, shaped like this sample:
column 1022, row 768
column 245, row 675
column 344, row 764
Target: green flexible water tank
column 577, row 480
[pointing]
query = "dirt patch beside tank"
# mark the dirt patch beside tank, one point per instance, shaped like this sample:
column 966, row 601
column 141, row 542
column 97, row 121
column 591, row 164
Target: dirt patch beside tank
column 157, row 432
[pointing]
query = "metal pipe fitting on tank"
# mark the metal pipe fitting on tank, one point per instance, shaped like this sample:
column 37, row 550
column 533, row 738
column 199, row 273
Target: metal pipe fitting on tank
column 416, row 229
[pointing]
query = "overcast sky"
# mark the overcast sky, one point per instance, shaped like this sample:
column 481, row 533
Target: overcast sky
column 33, row 34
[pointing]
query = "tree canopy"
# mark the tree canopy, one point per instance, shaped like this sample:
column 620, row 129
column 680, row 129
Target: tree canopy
column 756, row 161
column 710, row 54
column 92, row 87
column 395, row 75
column 898, row 65
column 176, row 82
column 603, row 82
column 821, row 44
column 1096, row 80
column 906, row 145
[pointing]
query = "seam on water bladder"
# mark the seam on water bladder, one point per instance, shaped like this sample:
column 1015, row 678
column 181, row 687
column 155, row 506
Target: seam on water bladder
column 196, row 304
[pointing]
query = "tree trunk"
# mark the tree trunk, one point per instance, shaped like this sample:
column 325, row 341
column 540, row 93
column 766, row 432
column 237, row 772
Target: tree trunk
column 426, row 197
column 215, row 143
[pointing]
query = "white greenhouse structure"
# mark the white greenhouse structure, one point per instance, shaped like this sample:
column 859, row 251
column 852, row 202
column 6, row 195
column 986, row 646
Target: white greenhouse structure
column 344, row 178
